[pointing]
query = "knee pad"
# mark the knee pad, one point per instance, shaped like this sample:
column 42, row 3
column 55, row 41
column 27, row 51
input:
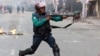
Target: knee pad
column 56, row 48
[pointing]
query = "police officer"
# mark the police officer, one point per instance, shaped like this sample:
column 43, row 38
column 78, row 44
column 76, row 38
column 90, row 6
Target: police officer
column 42, row 30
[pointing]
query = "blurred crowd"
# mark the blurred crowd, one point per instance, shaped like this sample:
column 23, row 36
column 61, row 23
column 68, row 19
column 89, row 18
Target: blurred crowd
column 10, row 9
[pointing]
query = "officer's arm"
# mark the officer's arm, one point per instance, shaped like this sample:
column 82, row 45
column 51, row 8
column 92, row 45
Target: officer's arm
column 57, row 18
column 38, row 23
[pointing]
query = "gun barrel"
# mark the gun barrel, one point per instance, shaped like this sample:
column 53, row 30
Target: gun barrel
column 62, row 15
column 74, row 14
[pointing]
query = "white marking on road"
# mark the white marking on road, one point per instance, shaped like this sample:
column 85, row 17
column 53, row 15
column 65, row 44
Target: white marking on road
column 12, row 52
column 74, row 41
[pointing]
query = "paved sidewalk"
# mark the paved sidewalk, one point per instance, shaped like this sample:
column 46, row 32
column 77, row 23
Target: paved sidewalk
column 92, row 20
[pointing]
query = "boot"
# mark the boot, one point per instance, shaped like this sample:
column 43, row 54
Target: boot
column 25, row 52
column 21, row 53
column 56, row 54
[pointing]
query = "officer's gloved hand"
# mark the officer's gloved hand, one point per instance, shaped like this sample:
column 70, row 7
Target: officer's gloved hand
column 64, row 17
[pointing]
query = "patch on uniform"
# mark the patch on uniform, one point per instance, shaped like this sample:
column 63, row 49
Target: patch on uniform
column 34, row 17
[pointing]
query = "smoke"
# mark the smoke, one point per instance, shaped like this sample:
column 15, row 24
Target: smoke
column 13, row 2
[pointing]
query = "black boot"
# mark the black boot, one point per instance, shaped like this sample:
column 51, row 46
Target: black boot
column 21, row 53
column 56, row 50
column 25, row 52
column 56, row 54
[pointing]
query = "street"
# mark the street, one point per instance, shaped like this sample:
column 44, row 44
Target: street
column 80, row 39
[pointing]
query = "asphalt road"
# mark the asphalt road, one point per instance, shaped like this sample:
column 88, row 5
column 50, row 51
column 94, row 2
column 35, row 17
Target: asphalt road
column 80, row 39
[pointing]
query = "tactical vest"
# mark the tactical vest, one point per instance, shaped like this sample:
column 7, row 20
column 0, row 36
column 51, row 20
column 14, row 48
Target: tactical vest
column 45, row 28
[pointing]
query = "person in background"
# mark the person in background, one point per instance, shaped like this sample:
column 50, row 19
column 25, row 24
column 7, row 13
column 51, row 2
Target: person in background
column 18, row 9
column 23, row 9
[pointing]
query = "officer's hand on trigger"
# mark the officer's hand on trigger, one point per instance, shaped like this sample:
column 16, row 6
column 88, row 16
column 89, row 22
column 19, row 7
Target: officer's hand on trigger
column 48, row 17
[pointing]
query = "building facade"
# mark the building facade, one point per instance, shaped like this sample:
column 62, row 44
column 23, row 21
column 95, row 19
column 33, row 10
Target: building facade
column 93, row 8
column 98, row 8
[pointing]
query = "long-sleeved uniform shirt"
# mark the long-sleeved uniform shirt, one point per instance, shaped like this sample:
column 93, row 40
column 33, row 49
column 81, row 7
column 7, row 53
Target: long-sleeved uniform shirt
column 38, row 22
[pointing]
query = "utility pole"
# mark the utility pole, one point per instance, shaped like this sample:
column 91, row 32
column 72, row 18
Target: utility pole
column 97, row 8
column 55, row 3
column 84, row 8
column 64, row 4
